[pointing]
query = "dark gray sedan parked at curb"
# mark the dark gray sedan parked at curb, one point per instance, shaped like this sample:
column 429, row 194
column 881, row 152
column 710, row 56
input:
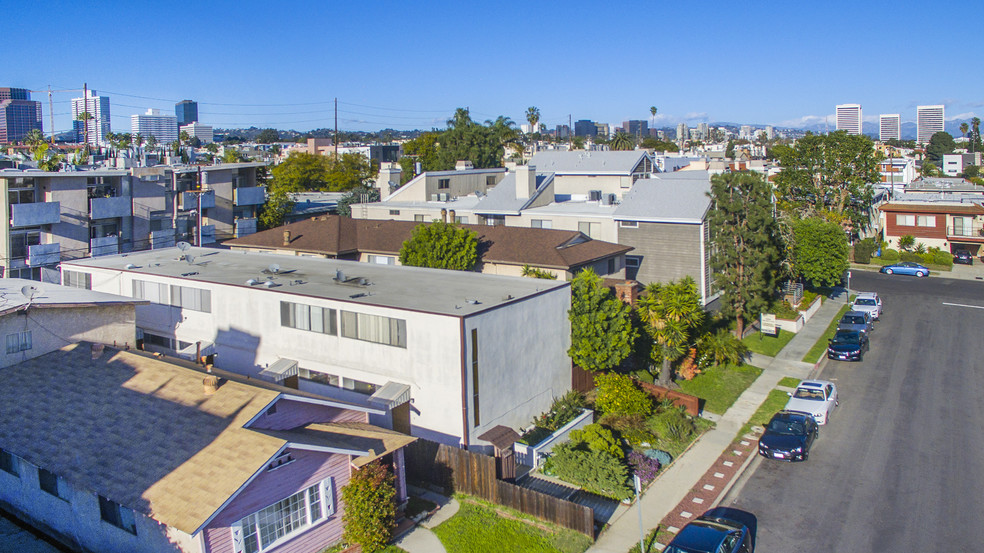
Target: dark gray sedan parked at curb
column 858, row 321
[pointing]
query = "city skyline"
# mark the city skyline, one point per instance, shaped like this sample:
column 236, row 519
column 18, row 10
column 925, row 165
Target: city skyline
column 396, row 66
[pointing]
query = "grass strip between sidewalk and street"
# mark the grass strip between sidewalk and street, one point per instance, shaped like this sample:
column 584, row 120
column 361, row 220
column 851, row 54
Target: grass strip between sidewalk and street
column 720, row 386
column 768, row 345
column 773, row 403
column 789, row 382
column 820, row 347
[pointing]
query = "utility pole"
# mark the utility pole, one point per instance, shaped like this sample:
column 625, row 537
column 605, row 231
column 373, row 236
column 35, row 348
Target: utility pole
column 51, row 115
column 85, row 114
column 570, row 133
column 198, row 230
column 336, row 129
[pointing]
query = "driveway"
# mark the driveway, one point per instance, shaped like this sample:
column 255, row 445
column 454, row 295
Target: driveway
column 900, row 466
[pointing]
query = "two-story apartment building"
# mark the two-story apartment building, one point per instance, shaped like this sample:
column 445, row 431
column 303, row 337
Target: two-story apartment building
column 131, row 454
column 453, row 353
column 55, row 216
column 951, row 223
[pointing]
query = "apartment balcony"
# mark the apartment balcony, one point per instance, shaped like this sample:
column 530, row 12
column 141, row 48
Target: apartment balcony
column 162, row 238
column 111, row 208
column 245, row 227
column 34, row 214
column 972, row 233
column 43, row 254
column 107, row 245
column 189, row 200
column 208, row 234
column 254, row 195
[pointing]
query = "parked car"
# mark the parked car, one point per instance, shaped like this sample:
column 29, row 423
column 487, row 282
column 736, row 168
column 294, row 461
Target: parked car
column 814, row 397
column 963, row 256
column 905, row 268
column 855, row 320
column 848, row 345
column 789, row 436
column 712, row 534
column 869, row 302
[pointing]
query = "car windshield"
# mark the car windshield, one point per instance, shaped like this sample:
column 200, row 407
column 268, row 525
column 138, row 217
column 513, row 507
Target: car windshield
column 678, row 549
column 853, row 320
column 865, row 301
column 806, row 393
column 852, row 338
column 786, row 428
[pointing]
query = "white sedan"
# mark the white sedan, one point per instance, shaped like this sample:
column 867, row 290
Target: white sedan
column 814, row 397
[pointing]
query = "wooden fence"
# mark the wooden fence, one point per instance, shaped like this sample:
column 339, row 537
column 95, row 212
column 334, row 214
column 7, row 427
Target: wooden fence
column 687, row 401
column 458, row 470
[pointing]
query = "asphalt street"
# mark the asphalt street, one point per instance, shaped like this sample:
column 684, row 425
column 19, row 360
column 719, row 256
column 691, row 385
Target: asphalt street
column 900, row 466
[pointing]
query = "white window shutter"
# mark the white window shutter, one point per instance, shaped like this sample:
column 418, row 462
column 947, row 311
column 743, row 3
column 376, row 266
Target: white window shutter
column 329, row 497
column 237, row 537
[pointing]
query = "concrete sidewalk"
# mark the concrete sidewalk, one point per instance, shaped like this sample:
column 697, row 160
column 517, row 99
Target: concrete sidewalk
column 676, row 482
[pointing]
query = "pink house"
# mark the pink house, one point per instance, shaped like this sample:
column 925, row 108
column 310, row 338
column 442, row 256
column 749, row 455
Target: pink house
column 109, row 450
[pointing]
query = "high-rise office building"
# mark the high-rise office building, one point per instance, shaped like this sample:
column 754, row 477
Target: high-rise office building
column 889, row 127
column 154, row 123
column 703, row 130
column 682, row 132
column 18, row 114
column 563, row 131
column 603, row 129
column 186, row 111
column 199, row 131
column 770, row 132
column 745, row 132
column 586, row 128
column 929, row 120
column 98, row 123
column 849, row 118
column 636, row 128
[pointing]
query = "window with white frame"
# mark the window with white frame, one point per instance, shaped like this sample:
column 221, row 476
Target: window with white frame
column 288, row 517
column 905, row 220
column 382, row 259
column 632, row 261
column 19, row 341
column 628, row 224
column 77, row 279
column 926, row 220
column 195, row 299
column 374, row 328
column 117, row 515
column 308, row 317
column 589, row 229
column 154, row 292
column 541, row 223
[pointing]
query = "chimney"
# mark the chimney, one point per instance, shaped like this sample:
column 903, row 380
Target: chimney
column 525, row 181
column 210, row 384
column 389, row 172
column 451, row 216
column 627, row 292
column 286, row 237
column 444, row 215
column 97, row 350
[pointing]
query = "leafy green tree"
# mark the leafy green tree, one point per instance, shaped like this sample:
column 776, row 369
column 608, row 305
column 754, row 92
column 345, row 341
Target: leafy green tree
column 651, row 143
column 621, row 141
column 729, row 150
column 830, row 173
column 975, row 134
column 599, row 438
column 618, row 395
column 152, row 142
column 971, row 172
column 349, row 171
column 278, row 206
column 370, row 507
column 301, row 172
column 744, row 244
column 671, row 313
column 577, row 143
column 441, row 246
column 268, row 136
column 595, row 471
column 821, row 251
column 358, row 195
column 601, row 326
column 929, row 169
column 466, row 139
column 940, row 144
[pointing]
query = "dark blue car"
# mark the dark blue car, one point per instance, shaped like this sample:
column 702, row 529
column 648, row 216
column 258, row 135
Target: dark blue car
column 789, row 436
column 711, row 534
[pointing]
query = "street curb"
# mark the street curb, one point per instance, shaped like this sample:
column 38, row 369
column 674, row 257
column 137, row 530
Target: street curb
column 734, row 479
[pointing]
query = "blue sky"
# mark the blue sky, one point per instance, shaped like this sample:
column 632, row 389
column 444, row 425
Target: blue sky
column 410, row 64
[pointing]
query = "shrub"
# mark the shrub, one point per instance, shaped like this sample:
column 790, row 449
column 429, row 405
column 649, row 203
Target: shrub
column 563, row 410
column 943, row 258
column 890, row 255
column 618, row 395
column 808, row 297
column 632, row 428
column 644, row 467
column 920, row 248
column 663, row 457
column 595, row 471
column 907, row 241
column 863, row 251
column 599, row 438
column 370, row 507
column 672, row 424
column 912, row 256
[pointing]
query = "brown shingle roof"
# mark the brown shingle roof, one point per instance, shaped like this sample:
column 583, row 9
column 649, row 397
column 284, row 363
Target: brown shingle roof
column 968, row 209
column 340, row 236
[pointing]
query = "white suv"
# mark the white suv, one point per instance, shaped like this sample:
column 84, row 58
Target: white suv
column 868, row 302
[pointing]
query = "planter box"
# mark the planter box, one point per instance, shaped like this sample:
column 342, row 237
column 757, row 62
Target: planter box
column 532, row 456
column 680, row 399
column 793, row 326
column 812, row 310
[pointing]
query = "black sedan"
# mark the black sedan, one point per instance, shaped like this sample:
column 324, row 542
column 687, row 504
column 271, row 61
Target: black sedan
column 789, row 436
column 848, row 345
column 964, row 257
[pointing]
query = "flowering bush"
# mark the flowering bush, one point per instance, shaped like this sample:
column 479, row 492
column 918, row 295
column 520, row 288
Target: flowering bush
column 643, row 467
column 618, row 395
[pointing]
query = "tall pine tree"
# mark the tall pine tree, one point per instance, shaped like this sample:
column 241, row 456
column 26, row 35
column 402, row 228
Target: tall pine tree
column 744, row 244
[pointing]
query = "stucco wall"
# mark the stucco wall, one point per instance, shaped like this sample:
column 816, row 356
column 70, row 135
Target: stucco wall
column 53, row 328
column 73, row 230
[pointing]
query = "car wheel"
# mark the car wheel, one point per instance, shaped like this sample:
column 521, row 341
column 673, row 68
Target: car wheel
column 920, row 274
column 889, row 271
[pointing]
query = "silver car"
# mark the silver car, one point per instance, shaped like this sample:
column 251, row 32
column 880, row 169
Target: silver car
column 869, row 302
column 814, row 397
column 855, row 320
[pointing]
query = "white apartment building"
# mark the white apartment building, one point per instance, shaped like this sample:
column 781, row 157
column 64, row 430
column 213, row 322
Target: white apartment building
column 471, row 350
column 955, row 164
column 849, row 118
column 98, row 124
column 199, row 131
column 929, row 120
column 889, row 127
column 161, row 126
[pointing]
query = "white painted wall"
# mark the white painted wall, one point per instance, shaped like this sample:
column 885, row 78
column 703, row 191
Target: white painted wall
column 54, row 328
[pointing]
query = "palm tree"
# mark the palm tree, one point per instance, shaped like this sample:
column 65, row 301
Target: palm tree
column 533, row 117
column 504, row 132
column 152, row 142
column 671, row 312
column 652, row 111
column 34, row 137
column 621, row 141
column 975, row 137
column 964, row 127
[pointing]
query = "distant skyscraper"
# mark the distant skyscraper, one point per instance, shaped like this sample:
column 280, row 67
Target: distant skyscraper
column 770, row 132
column 889, row 127
column 186, row 111
column 586, row 128
column 603, row 129
column 849, row 118
column 636, row 128
column 929, row 120
column 703, row 130
column 563, row 131
column 98, row 124
column 682, row 132
column 154, row 123
column 18, row 114
column 745, row 132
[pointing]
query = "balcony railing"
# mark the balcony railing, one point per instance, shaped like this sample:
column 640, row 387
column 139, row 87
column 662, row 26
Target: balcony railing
column 34, row 214
column 162, row 238
column 255, row 195
column 189, row 200
column 110, row 208
column 970, row 232
column 43, row 254
column 107, row 245
column 245, row 226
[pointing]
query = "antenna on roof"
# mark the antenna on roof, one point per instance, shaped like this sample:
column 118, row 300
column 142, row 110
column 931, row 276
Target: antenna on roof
column 274, row 268
column 183, row 246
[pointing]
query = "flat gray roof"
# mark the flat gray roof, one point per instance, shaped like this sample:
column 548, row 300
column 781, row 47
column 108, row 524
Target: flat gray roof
column 587, row 162
column 679, row 197
column 453, row 293
column 17, row 292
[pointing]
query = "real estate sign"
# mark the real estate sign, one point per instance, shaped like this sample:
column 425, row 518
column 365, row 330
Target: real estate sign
column 768, row 324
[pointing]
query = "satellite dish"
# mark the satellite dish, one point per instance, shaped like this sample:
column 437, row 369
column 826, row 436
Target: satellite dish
column 189, row 258
column 183, row 246
column 274, row 268
column 31, row 291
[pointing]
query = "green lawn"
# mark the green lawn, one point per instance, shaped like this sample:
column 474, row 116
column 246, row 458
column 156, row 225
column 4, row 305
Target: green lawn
column 819, row 348
column 768, row 345
column 478, row 528
column 773, row 403
column 720, row 386
column 789, row 382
